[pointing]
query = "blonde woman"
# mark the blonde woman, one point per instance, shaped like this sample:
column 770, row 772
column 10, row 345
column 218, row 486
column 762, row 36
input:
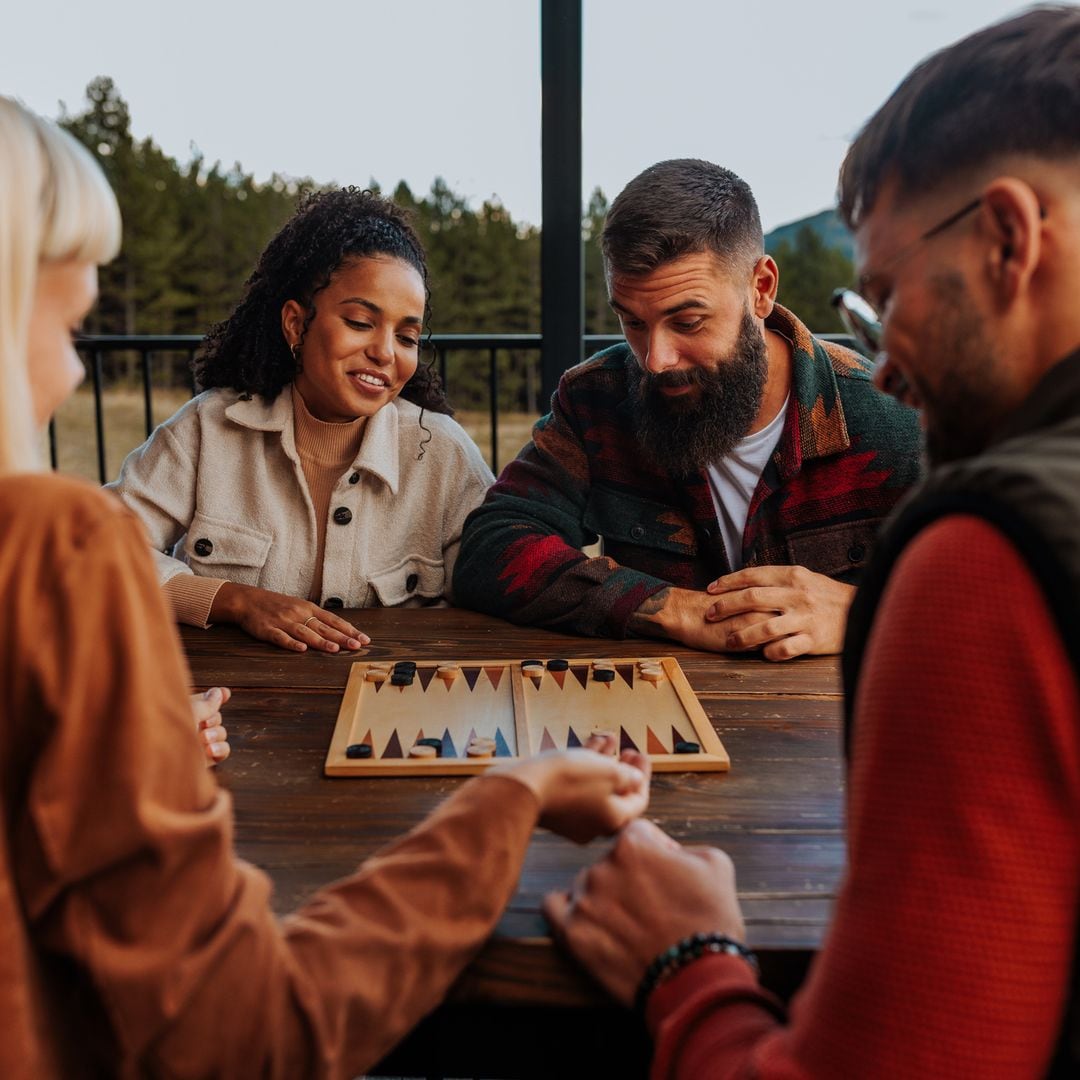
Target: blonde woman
column 131, row 939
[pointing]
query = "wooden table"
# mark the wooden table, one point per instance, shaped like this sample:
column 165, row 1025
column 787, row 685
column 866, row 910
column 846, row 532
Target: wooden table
column 778, row 813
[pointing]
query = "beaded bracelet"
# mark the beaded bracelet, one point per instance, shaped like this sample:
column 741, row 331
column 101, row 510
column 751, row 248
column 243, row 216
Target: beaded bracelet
column 686, row 952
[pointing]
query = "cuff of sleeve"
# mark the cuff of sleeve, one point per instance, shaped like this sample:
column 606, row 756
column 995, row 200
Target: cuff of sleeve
column 191, row 598
column 714, row 974
column 636, row 588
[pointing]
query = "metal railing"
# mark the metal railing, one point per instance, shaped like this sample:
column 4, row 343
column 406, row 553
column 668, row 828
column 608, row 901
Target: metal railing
column 94, row 348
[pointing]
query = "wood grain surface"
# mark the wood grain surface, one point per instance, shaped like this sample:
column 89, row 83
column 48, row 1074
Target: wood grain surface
column 778, row 812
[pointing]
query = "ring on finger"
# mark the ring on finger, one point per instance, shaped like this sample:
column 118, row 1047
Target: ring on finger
column 310, row 618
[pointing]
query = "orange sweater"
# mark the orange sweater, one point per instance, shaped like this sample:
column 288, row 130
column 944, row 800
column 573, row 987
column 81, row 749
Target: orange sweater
column 953, row 936
column 132, row 941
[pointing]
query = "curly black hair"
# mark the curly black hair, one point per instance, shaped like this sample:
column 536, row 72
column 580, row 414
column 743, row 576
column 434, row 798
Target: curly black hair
column 248, row 352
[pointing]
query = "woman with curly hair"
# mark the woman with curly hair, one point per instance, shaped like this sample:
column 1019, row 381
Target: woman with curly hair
column 319, row 468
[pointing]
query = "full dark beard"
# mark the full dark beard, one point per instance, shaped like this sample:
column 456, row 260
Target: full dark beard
column 684, row 434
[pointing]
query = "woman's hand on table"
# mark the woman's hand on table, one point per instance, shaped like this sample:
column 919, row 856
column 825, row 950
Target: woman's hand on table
column 646, row 895
column 286, row 621
column 206, row 710
column 588, row 792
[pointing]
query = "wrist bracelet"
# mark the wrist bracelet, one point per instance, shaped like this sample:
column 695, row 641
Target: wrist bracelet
column 686, row 952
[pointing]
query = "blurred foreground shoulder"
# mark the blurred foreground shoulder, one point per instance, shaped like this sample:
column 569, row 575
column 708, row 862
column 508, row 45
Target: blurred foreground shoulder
column 60, row 512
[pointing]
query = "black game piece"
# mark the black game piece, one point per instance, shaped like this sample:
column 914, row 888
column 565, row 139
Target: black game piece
column 558, row 665
column 437, row 743
column 603, row 676
column 401, row 678
column 358, row 750
column 405, row 665
column 687, row 748
column 540, row 662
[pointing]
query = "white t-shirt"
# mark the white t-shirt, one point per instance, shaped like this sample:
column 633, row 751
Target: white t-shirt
column 733, row 480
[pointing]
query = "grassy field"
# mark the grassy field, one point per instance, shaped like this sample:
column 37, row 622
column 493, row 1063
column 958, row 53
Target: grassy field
column 125, row 429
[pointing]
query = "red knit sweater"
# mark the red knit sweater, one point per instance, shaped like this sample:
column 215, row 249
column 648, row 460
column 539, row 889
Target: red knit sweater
column 953, row 935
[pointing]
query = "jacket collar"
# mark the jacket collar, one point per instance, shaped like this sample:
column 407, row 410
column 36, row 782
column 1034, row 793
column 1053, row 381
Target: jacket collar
column 379, row 450
column 815, row 425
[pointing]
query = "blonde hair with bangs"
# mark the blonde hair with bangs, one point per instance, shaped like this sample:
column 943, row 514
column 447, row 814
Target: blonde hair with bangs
column 55, row 206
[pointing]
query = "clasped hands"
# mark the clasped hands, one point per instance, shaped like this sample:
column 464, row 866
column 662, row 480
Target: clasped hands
column 786, row 611
column 649, row 891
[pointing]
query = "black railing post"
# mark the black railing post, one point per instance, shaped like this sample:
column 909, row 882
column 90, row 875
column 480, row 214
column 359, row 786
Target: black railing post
column 99, row 414
column 148, row 401
column 562, row 283
column 493, row 382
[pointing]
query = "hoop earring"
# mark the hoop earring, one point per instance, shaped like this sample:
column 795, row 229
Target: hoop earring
column 298, row 357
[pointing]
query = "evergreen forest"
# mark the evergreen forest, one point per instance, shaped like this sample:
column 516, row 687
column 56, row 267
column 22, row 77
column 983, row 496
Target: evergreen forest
column 192, row 231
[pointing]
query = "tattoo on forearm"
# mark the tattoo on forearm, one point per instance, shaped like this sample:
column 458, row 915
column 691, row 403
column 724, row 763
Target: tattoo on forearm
column 644, row 622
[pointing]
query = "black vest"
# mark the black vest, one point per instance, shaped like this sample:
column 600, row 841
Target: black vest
column 1027, row 485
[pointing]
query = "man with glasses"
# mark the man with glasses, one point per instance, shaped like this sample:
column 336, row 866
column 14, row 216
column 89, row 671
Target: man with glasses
column 736, row 467
column 954, row 947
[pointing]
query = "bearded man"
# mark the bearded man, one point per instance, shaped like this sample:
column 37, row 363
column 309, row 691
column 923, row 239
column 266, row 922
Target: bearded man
column 736, row 468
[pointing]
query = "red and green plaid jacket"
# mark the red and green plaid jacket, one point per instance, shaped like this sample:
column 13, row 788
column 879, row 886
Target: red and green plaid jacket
column 846, row 455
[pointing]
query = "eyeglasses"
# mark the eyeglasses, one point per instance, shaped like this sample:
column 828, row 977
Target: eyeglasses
column 858, row 314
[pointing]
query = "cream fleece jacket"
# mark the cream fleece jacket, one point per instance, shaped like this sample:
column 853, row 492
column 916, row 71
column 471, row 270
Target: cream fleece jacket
column 221, row 491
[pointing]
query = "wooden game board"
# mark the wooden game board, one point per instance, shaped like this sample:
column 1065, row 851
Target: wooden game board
column 523, row 715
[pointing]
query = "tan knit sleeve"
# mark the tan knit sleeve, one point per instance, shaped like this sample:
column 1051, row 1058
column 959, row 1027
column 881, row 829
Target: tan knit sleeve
column 191, row 597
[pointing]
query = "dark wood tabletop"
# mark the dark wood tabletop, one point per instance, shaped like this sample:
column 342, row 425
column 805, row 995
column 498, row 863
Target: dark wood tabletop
column 778, row 812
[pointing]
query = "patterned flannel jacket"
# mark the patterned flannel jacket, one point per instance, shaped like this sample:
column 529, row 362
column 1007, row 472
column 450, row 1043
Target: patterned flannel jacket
column 846, row 455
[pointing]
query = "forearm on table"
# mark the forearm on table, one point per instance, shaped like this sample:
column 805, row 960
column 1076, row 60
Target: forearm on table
column 378, row 951
column 517, row 571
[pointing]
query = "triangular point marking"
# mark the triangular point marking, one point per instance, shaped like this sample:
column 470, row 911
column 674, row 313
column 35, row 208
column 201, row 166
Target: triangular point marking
column 393, row 747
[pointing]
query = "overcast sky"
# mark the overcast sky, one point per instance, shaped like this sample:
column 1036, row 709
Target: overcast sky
column 347, row 90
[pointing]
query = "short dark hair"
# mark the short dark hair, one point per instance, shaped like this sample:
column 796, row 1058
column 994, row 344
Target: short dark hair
column 248, row 352
column 1013, row 88
column 677, row 208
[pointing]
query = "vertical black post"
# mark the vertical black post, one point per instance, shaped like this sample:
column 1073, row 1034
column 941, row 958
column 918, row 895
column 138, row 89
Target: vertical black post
column 562, row 284
column 493, row 383
column 99, row 415
column 148, row 400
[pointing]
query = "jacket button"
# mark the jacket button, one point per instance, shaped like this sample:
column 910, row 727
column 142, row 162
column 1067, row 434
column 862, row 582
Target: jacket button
column 411, row 582
column 857, row 552
column 355, row 478
column 333, row 602
column 638, row 532
column 203, row 547
column 343, row 515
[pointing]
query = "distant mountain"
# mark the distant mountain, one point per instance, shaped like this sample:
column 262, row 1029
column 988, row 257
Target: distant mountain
column 827, row 225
